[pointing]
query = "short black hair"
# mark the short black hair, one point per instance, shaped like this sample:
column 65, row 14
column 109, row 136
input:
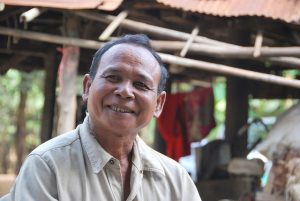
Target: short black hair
column 136, row 39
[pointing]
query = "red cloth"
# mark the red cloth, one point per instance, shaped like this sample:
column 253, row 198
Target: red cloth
column 199, row 106
column 184, row 116
column 171, row 126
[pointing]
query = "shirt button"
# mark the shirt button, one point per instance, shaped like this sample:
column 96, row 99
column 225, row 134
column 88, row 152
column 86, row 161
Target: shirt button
column 111, row 161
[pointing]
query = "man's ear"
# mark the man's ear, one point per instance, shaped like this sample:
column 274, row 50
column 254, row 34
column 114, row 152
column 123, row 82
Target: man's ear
column 87, row 81
column 161, row 99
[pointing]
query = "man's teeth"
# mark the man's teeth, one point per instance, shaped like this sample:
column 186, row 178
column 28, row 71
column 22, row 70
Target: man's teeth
column 118, row 109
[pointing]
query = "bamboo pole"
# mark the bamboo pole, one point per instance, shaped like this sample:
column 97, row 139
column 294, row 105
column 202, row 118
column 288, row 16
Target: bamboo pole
column 151, row 29
column 189, row 42
column 258, row 43
column 242, row 52
column 218, row 51
column 31, row 14
column 84, row 43
column 113, row 25
column 184, row 62
column 147, row 28
column 229, row 70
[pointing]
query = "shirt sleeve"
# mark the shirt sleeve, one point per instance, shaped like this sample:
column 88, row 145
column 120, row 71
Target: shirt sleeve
column 36, row 181
column 189, row 190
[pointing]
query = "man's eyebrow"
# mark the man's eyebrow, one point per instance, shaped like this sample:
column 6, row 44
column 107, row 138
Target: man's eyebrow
column 111, row 70
column 140, row 75
column 145, row 77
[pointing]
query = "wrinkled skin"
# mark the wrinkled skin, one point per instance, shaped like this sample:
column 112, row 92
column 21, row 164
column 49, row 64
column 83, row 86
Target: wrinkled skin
column 123, row 96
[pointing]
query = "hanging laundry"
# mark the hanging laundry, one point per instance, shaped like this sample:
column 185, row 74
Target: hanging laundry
column 199, row 107
column 171, row 126
column 185, row 118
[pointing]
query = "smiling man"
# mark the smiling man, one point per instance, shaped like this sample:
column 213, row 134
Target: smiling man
column 103, row 158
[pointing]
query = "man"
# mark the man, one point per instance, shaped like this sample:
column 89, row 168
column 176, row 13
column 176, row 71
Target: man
column 103, row 158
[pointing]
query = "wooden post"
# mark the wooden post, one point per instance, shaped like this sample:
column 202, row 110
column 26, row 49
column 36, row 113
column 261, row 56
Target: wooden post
column 67, row 80
column 236, row 115
column 49, row 94
column 21, row 124
column 237, row 106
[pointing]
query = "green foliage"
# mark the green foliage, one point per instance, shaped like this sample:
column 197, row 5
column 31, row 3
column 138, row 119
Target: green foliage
column 219, row 88
column 267, row 108
column 10, row 86
column 8, row 103
column 258, row 108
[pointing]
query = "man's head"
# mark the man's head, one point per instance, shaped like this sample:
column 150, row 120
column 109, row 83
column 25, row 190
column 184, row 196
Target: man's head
column 139, row 40
column 124, row 89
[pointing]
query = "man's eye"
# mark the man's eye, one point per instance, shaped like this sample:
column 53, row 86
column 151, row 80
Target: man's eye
column 112, row 78
column 142, row 86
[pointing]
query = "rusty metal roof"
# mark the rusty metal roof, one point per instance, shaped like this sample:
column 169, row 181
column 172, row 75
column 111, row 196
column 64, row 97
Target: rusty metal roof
column 286, row 10
column 68, row 4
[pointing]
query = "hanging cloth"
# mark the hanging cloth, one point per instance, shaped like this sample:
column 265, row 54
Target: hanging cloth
column 186, row 116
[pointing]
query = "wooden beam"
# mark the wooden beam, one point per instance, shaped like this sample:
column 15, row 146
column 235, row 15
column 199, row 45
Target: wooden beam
column 147, row 28
column 31, row 14
column 90, row 44
column 226, row 52
column 183, row 62
column 280, row 54
column 229, row 70
column 258, row 44
column 167, row 45
column 113, row 25
column 189, row 42
column 151, row 29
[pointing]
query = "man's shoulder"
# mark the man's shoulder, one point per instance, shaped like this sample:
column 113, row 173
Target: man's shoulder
column 168, row 162
column 61, row 142
column 157, row 159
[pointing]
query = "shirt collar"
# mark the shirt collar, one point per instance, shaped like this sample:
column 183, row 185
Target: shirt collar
column 144, row 158
column 95, row 152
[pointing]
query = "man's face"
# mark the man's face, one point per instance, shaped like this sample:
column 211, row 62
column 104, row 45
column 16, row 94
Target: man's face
column 123, row 96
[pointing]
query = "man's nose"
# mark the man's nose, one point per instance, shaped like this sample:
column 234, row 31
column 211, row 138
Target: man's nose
column 125, row 90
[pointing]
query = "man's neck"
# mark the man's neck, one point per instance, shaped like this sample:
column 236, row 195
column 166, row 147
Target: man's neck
column 118, row 145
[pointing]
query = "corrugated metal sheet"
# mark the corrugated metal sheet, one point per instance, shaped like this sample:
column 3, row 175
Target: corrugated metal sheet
column 68, row 4
column 286, row 10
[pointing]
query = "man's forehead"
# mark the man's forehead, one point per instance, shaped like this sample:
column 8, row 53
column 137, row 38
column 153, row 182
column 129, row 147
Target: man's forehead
column 132, row 53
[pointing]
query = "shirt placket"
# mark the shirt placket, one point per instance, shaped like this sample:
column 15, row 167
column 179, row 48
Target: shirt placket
column 114, row 178
column 135, row 184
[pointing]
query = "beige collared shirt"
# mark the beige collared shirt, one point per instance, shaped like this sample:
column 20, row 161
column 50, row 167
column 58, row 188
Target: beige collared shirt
column 73, row 166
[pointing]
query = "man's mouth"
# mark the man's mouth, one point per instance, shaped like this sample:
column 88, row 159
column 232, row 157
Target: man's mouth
column 120, row 109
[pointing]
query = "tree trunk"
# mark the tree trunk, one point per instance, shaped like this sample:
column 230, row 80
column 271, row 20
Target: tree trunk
column 49, row 94
column 20, row 121
column 67, row 81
